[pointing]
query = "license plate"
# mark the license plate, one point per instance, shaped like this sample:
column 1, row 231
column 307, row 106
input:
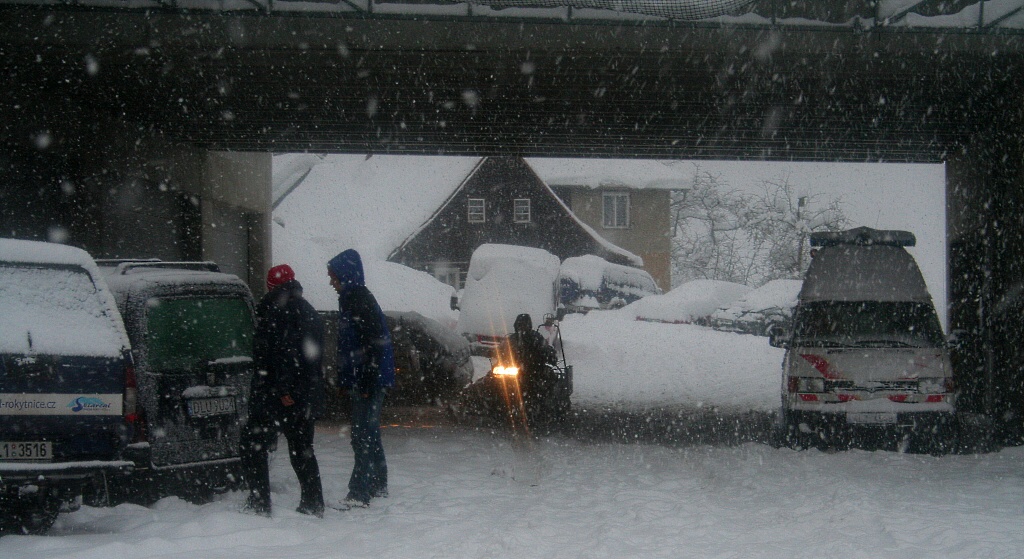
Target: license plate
column 872, row 417
column 203, row 407
column 26, row 450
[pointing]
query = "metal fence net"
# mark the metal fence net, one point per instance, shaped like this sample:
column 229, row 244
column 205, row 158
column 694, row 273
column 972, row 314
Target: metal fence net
column 671, row 9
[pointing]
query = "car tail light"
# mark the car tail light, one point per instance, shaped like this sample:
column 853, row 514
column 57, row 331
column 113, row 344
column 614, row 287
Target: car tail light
column 805, row 384
column 132, row 415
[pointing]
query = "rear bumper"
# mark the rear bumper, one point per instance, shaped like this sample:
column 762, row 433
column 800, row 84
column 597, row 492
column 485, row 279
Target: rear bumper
column 839, row 420
column 13, row 474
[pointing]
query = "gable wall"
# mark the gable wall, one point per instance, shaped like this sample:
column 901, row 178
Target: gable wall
column 649, row 226
column 451, row 239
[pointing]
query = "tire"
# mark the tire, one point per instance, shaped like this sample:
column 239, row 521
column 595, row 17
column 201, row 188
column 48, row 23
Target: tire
column 936, row 439
column 28, row 517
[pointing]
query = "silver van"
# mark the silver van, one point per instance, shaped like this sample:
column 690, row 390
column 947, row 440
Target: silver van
column 866, row 358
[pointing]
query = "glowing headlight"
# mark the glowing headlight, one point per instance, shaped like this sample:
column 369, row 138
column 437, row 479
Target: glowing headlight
column 505, row 371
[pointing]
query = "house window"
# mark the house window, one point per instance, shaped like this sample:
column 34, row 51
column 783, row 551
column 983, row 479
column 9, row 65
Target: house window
column 476, row 210
column 521, row 210
column 616, row 210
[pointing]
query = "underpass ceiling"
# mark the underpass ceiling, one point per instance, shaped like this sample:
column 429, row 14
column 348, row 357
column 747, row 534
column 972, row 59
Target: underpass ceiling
column 393, row 85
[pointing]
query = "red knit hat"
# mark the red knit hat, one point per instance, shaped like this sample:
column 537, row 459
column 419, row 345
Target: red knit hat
column 278, row 275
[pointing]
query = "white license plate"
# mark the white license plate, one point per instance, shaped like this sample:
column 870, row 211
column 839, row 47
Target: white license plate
column 26, row 450
column 871, row 417
column 203, row 407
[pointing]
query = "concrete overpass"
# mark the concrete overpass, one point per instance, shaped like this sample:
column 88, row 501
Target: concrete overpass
column 138, row 116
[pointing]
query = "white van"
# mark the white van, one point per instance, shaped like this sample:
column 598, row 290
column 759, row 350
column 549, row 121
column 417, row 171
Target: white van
column 502, row 282
column 866, row 355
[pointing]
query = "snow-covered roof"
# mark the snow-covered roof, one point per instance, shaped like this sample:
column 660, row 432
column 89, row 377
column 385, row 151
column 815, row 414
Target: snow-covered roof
column 371, row 204
column 611, row 173
column 605, row 244
column 504, row 281
column 589, row 272
column 849, row 272
column 57, row 303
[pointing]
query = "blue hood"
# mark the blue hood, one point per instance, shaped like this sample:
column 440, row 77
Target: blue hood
column 348, row 268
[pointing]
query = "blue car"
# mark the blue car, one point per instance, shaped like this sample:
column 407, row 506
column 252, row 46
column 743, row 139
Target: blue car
column 67, row 386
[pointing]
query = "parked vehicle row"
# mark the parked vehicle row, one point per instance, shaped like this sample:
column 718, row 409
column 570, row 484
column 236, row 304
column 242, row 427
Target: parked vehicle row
column 504, row 281
column 123, row 382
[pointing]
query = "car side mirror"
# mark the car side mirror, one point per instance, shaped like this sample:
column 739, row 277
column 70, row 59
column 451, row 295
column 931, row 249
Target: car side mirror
column 560, row 314
column 454, row 302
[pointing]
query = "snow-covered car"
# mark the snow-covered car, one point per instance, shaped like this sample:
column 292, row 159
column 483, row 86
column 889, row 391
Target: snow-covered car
column 433, row 363
column 590, row 282
column 866, row 355
column 67, row 388
column 760, row 312
column 502, row 282
column 691, row 302
column 191, row 329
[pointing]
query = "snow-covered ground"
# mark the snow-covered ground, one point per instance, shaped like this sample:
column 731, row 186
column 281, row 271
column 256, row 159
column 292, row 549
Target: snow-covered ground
column 460, row 493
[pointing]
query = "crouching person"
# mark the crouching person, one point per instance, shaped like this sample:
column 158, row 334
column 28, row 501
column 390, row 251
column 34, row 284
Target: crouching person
column 287, row 392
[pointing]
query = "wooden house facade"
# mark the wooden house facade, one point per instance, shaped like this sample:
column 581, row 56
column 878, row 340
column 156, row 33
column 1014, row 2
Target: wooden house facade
column 501, row 201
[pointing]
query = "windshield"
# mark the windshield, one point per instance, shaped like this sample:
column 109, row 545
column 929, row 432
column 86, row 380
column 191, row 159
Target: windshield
column 183, row 333
column 867, row 324
column 41, row 305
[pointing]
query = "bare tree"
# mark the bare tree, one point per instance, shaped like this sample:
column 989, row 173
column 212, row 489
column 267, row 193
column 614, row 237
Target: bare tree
column 721, row 233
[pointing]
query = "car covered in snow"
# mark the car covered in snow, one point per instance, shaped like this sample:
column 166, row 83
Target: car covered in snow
column 432, row 362
column 502, row 282
column 67, row 388
column 191, row 329
column 590, row 282
column 866, row 357
column 689, row 303
column 760, row 312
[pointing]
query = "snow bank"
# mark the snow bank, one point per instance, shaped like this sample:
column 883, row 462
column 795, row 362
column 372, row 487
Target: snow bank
column 396, row 287
column 635, row 364
column 776, row 294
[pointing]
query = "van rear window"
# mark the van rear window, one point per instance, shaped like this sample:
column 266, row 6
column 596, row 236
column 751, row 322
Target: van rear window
column 868, row 323
column 186, row 333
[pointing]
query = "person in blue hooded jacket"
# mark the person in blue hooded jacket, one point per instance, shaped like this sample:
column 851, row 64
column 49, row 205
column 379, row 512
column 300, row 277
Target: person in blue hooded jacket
column 366, row 369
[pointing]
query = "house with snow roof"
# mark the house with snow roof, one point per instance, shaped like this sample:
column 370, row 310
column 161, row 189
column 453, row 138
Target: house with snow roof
column 625, row 201
column 504, row 201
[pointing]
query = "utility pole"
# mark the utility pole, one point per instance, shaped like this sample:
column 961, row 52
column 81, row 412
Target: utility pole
column 799, row 225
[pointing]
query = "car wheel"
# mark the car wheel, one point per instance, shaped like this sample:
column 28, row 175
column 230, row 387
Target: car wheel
column 28, row 517
column 786, row 433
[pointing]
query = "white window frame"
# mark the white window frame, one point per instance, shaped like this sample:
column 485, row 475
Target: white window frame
column 617, row 200
column 518, row 213
column 476, row 214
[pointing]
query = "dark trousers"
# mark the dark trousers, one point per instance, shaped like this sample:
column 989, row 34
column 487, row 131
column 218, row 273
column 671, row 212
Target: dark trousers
column 370, row 472
column 260, row 436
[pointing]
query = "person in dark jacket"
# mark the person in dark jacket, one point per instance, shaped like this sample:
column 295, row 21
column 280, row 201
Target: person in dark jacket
column 287, row 392
column 366, row 369
column 532, row 353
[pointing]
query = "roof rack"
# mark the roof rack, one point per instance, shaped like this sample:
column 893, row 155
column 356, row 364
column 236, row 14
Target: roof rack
column 863, row 236
column 126, row 266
